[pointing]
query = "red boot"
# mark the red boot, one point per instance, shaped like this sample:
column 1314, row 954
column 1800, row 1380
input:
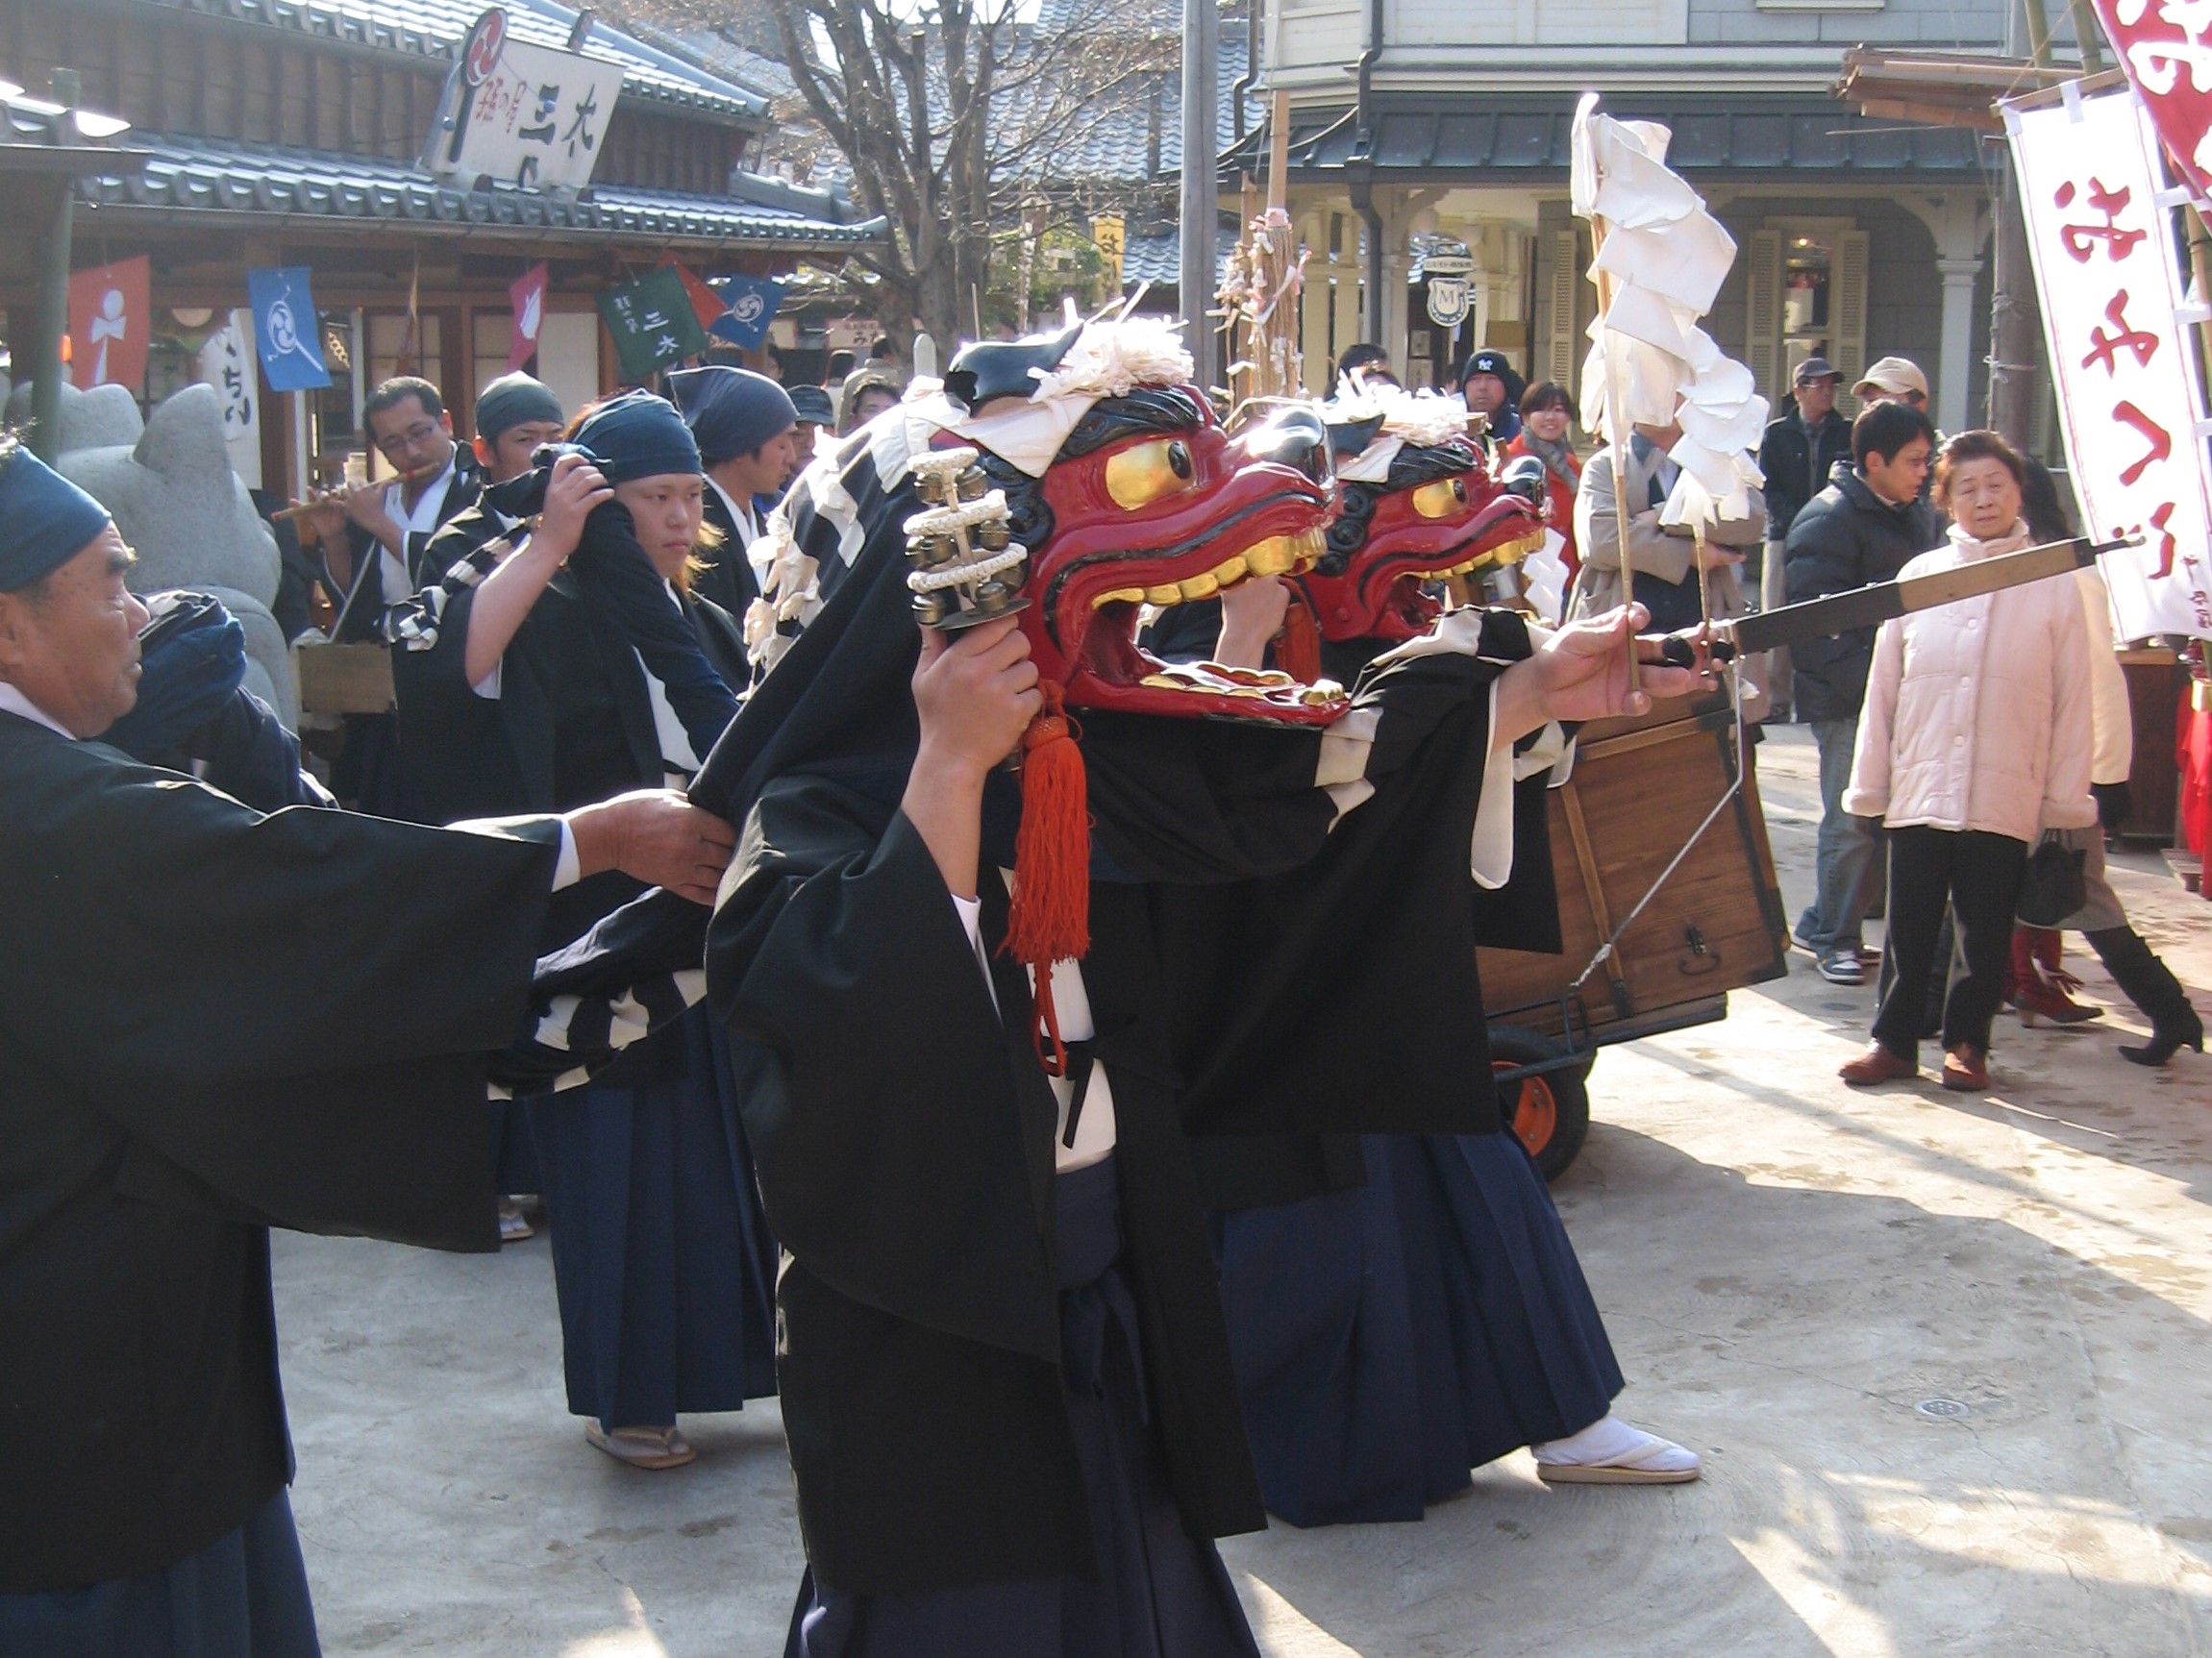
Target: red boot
column 2042, row 988
column 2019, row 972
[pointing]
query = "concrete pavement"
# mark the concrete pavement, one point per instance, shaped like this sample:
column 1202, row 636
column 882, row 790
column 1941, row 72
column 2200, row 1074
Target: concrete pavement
column 1946, row 1356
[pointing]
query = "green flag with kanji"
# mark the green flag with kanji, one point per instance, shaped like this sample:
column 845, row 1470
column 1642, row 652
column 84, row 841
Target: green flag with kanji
column 652, row 323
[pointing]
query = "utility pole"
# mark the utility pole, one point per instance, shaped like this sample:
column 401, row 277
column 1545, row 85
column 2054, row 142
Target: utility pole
column 1201, row 213
column 54, row 287
column 2014, row 325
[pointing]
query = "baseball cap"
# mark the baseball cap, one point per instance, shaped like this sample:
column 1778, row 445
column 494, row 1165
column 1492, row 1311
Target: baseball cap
column 812, row 405
column 1894, row 375
column 1816, row 368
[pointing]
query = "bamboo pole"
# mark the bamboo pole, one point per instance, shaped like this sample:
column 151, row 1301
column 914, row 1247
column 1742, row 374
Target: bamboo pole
column 1279, row 151
column 2201, row 278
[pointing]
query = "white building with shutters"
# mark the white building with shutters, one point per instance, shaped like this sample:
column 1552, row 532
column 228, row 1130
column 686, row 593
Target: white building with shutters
column 1419, row 126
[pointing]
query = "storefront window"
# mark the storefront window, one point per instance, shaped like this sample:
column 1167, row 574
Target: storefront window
column 1807, row 264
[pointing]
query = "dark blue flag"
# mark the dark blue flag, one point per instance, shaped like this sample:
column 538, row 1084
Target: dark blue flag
column 286, row 330
column 753, row 303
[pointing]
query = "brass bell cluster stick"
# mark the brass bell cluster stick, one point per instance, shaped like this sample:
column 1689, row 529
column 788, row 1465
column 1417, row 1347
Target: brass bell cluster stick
column 963, row 548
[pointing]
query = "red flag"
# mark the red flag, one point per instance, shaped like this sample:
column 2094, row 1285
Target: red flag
column 705, row 301
column 110, row 311
column 526, row 293
column 2162, row 50
column 405, row 365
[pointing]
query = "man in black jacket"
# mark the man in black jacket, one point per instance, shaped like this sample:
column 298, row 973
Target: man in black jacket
column 1862, row 528
column 1799, row 451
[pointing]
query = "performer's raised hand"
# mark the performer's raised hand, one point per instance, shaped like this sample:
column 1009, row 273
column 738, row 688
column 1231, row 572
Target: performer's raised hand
column 1580, row 671
column 1252, row 615
column 656, row 836
column 975, row 692
column 574, row 488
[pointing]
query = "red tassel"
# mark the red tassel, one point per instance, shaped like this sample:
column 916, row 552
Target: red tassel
column 1049, row 917
column 1298, row 647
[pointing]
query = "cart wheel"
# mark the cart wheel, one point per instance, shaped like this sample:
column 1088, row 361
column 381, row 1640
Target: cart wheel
column 1549, row 1112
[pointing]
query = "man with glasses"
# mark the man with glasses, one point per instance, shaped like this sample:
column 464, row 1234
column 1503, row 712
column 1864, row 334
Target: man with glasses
column 373, row 539
column 407, row 422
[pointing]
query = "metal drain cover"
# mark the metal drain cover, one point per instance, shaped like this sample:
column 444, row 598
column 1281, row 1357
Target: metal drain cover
column 1941, row 1409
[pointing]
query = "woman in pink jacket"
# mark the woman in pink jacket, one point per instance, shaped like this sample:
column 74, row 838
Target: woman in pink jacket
column 1974, row 738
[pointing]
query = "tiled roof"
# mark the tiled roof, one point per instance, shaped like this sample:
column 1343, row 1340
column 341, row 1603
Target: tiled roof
column 1529, row 139
column 1112, row 140
column 220, row 176
column 740, row 64
column 1106, row 140
column 436, row 29
column 1157, row 259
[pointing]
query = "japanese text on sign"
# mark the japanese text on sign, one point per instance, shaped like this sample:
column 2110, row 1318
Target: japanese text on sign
column 2107, row 275
column 526, row 114
column 2169, row 59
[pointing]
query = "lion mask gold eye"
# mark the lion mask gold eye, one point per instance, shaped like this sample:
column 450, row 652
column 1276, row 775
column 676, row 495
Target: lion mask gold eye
column 1440, row 499
column 1144, row 472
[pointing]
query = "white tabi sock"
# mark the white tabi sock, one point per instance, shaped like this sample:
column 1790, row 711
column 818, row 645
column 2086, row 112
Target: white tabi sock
column 1611, row 1442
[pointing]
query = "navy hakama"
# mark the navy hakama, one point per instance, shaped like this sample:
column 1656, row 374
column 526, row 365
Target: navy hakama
column 662, row 1260
column 244, row 1595
column 1391, row 1338
column 513, row 1148
column 1161, row 1593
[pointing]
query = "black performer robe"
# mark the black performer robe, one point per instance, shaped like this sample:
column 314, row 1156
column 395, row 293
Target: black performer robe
column 369, row 773
column 572, row 722
column 728, row 578
column 902, row 1134
column 1372, row 973
column 213, row 1021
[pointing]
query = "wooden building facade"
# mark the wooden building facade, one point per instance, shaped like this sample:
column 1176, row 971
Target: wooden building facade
column 278, row 132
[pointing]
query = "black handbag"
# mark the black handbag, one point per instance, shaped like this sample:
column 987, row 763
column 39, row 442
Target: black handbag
column 2052, row 886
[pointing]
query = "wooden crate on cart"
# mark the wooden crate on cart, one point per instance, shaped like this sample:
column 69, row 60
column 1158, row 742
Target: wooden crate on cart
column 1638, row 790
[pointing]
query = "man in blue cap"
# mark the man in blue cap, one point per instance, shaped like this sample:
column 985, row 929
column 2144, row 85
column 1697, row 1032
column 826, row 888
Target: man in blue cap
column 1493, row 390
column 815, row 414
column 743, row 423
column 213, row 1021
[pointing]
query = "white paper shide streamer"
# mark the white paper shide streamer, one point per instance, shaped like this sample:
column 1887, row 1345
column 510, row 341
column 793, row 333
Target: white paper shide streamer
column 1661, row 260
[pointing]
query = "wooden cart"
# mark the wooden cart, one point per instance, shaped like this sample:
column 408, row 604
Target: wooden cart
column 1638, row 790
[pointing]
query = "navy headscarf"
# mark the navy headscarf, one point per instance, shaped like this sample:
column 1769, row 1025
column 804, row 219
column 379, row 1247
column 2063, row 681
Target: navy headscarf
column 731, row 412
column 45, row 520
column 515, row 400
column 632, row 436
column 638, row 436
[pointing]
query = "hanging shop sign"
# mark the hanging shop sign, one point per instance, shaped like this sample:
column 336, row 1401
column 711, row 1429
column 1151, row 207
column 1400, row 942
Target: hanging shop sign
column 526, row 114
column 653, row 324
column 1451, row 287
column 110, row 310
column 226, row 363
column 2108, row 274
column 1110, row 235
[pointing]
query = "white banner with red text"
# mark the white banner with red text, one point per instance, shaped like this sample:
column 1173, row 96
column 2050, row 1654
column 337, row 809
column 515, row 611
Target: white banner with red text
column 2108, row 274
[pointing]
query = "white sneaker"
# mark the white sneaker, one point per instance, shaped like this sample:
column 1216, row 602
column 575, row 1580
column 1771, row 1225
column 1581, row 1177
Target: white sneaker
column 1611, row 1453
